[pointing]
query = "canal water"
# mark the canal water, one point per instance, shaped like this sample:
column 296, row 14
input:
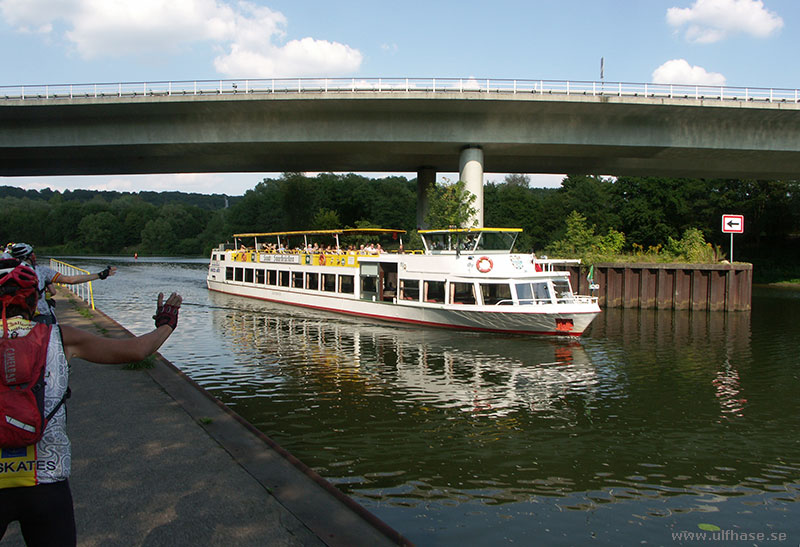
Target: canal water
column 656, row 427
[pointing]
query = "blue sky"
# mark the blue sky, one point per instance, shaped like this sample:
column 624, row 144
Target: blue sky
column 750, row 43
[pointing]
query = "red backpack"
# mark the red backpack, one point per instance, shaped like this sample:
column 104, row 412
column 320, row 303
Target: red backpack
column 22, row 369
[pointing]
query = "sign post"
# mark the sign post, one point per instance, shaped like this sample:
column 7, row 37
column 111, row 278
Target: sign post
column 732, row 224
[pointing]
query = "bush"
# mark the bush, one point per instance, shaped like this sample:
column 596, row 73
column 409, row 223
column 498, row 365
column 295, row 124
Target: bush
column 692, row 247
column 581, row 242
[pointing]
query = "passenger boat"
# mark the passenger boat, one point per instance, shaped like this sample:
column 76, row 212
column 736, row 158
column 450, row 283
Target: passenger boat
column 464, row 279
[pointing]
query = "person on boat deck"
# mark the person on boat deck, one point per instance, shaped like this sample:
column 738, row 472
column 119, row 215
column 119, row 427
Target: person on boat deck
column 534, row 261
column 34, row 480
column 48, row 276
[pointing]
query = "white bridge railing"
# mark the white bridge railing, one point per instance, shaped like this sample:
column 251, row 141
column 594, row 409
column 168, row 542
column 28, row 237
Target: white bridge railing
column 465, row 86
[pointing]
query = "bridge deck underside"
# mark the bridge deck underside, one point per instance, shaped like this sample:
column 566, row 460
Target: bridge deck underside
column 306, row 133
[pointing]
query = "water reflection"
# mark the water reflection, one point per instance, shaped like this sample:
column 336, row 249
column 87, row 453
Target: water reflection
column 492, row 376
column 686, row 345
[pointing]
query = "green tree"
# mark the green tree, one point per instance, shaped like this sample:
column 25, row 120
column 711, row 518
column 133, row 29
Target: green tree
column 325, row 219
column 99, row 232
column 450, row 205
column 158, row 237
column 581, row 241
column 592, row 197
column 516, row 179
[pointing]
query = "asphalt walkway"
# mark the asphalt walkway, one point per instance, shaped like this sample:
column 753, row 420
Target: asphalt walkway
column 158, row 461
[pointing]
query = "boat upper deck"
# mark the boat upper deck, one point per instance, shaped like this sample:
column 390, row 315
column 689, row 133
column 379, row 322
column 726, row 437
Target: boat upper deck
column 469, row 240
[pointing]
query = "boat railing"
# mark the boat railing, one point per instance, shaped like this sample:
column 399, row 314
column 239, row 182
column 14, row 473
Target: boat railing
column 549, row 264
column 576, row 299
column 533, row 301
column 249, row 254
column 82, row 290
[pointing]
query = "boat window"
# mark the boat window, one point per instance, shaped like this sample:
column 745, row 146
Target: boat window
column 541, row 292
column 329, row 282
column 238, row 274
column 497, row 241
column 283, row 278
column 369, row 284
column 433, row 291
column 248, row 275
column 369, row 269
column 347, row 284
column 496, row 293
column 297, row 280
column 563, row 290
column 524, row 293
column 260, row 277
column 462, row 293
column 272, row 277
column 229, row 273
column 409, row 289
column 437, row 242
column 312, row 281
column 533, row 293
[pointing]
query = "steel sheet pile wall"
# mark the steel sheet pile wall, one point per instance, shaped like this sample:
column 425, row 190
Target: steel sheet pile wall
column 714, row 287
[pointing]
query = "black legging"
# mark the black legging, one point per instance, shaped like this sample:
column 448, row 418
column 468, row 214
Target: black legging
column 44, row 512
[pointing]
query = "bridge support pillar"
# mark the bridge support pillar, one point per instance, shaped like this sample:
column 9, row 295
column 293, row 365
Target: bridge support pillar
column 471, row 173
column 426, row 178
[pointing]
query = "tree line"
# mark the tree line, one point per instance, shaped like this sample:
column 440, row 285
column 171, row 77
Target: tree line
column 646, row 211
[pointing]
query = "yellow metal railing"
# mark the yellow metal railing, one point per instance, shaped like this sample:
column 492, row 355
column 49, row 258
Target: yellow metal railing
column 83, row 290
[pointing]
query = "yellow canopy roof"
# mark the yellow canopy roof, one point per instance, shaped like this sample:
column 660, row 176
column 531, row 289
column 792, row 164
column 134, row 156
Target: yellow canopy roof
column 465, row 230
column 345, row 231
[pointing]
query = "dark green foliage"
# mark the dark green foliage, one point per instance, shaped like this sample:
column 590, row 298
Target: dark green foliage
column 647, row 213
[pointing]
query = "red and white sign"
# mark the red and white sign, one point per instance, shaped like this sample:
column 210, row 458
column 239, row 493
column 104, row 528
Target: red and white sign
column 733, row 224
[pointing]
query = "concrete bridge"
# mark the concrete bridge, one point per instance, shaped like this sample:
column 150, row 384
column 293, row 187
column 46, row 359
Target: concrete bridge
column 418, row 125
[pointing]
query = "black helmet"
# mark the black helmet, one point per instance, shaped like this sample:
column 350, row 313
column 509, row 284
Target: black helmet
column 21, row 250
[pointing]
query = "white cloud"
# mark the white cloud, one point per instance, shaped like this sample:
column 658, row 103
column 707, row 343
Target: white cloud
column 306, row 57
column 709, row 21
column 679, row 71
column 251, row 36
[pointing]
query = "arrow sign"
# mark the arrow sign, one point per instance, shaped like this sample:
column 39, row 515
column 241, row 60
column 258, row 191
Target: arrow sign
column 733, row 224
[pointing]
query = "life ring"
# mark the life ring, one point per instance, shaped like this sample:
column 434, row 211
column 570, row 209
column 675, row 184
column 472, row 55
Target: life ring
column 321, row 260
column 484, row 264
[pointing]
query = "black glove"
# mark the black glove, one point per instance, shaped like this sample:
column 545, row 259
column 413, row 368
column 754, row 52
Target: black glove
column 104, row 273
column 166, row 315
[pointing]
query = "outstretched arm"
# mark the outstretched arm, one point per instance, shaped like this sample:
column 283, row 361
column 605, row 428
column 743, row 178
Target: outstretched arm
column 83, row 278
column 97, row 349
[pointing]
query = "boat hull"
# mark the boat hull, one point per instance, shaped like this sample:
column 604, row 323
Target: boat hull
column 566, row 320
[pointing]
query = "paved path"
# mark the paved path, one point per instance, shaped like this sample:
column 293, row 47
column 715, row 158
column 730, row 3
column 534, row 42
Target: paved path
column 157, row 461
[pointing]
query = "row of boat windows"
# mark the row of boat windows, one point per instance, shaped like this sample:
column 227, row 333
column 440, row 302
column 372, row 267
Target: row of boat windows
column 298, row 280
column 488, row 294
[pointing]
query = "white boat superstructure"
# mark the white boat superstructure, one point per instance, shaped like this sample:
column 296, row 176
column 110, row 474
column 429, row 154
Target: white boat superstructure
column 464, row 279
